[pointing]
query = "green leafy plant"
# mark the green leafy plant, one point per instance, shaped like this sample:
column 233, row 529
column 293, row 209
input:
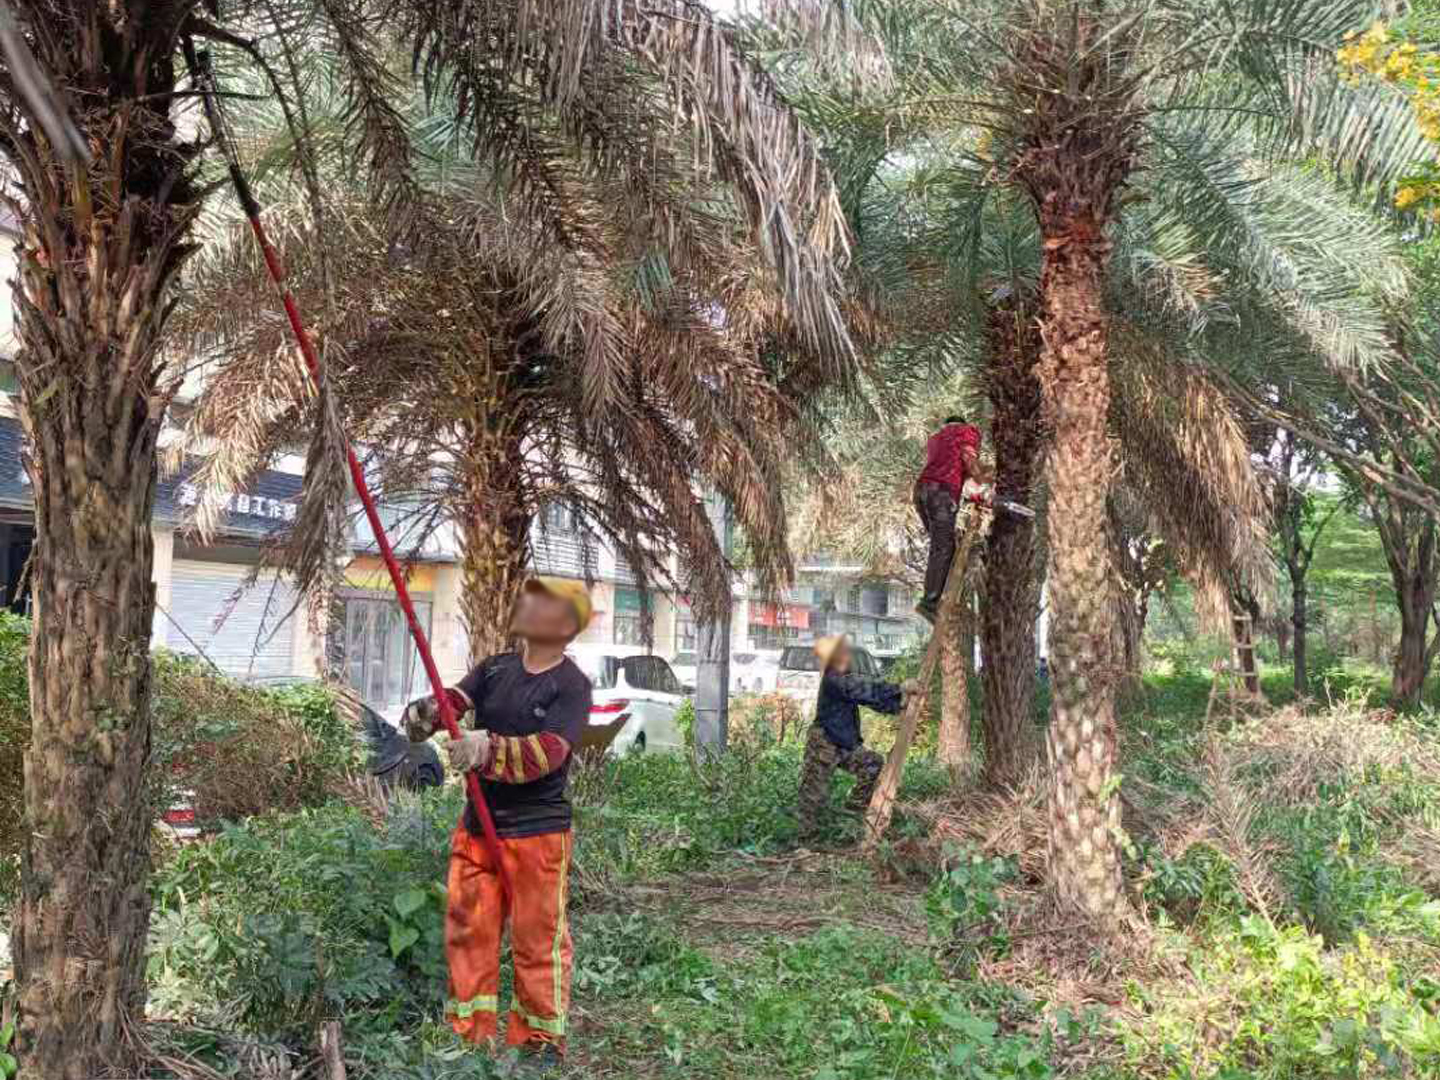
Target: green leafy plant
column 964, row 904
column 8, row 1065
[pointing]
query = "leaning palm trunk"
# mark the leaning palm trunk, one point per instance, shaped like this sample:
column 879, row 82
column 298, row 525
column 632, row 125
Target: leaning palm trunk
column 1084, row 802
column 100, row 250
column 1011, row 596
column 953, row 736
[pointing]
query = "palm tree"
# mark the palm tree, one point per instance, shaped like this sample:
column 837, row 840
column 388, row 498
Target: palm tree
column 1074, row 97
column 104, row 244
column 467, row 384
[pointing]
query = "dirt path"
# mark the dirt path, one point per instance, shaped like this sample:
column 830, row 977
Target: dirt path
column 727, row 912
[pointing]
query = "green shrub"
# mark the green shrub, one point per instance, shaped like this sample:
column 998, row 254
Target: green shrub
column 1270, row 1003
column 1202, row 880
column 963, row 905
column 285, row 919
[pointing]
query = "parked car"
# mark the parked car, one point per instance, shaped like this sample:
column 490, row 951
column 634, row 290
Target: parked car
column 799, row 675
column 685, row 666
column 754, row 672
column 636, row 696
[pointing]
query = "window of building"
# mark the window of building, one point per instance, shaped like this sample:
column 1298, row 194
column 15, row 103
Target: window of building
column 629, row 617
column 381, row 662
column 558, row 517
column 685, row 640
column 773, row 637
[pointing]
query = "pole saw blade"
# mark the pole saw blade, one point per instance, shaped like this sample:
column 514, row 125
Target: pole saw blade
column 1014, row 508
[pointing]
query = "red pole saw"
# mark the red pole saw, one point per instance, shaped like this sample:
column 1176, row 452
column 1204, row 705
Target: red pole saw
column 204, row 76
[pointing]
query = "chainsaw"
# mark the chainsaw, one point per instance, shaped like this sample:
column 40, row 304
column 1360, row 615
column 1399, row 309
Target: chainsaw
column 984, row 497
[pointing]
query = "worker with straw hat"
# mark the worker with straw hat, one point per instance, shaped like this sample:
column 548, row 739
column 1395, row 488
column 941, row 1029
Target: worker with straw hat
column 835, row 740
column 530, row 709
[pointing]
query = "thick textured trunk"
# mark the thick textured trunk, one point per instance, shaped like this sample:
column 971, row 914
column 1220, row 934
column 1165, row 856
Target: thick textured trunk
column 953, row 739
column 495, row 554
column 1084, row 800
column 84, row 909
column 1012, row 589
column 99, row 253
column 102, row 245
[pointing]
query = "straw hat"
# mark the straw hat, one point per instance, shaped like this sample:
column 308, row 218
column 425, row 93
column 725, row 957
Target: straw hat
column 827, row 647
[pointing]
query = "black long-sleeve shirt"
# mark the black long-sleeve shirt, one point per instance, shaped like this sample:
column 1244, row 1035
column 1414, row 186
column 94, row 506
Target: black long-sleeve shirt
column 841, row 696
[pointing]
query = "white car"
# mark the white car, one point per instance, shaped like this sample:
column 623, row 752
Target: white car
column 799, row 677
column 635, row 693
column 755, row 672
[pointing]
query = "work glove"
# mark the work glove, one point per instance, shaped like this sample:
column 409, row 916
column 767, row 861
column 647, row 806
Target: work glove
column 470, row 751
column 421, row 719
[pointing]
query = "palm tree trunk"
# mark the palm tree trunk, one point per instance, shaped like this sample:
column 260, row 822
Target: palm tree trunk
column 1012, row 593
column 1084, row 800
column 494, row 537
column 101, row 248
column 494, row 559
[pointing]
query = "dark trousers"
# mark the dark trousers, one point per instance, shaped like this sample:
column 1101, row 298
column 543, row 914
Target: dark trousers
column 936, row 507
column 822, row 758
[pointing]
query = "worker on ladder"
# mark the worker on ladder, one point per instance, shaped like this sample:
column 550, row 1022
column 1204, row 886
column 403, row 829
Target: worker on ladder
column 952, row 456
column 835, row 740
column 530, row 710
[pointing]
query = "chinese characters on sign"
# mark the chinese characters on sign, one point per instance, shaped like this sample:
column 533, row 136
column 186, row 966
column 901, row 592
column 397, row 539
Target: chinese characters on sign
column 244, row 503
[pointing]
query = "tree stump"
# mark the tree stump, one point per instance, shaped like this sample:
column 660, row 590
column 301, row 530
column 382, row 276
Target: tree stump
column 882, row 803
column 331, row 1052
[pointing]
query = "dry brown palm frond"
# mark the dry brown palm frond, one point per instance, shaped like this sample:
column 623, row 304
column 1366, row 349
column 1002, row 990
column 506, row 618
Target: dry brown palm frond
column 1231, row 811
column 1186, row 457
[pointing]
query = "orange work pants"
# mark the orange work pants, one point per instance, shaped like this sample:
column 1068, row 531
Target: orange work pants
column 538, row 868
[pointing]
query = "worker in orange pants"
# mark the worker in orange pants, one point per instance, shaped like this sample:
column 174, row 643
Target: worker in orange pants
column 530, row 711
column 539, row 938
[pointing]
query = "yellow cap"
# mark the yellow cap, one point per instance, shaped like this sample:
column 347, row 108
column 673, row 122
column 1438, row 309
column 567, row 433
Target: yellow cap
column 826, row 647
column 571, row 591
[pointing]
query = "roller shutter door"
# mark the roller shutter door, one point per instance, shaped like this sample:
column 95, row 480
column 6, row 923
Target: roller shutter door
column 251, row 640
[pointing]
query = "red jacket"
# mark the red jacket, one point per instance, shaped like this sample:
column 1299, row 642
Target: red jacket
column 944, row 461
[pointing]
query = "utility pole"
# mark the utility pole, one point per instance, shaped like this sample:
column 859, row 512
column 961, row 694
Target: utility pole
column 712, row 640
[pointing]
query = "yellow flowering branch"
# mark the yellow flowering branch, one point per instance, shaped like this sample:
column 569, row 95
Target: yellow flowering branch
column 1380, row 53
